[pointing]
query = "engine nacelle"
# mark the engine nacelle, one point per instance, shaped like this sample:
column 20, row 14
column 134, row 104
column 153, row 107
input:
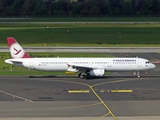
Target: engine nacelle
column 97, row 72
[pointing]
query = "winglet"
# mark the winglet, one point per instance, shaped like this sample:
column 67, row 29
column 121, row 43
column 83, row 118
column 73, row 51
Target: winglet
column 16, row 50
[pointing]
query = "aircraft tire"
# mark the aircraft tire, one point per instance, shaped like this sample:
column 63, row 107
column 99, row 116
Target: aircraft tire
column 81, row 76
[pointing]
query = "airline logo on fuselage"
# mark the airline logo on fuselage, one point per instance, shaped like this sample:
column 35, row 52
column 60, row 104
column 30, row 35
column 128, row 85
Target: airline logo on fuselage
column 124, row 60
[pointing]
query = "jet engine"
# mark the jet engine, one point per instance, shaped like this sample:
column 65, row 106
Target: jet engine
column 97, row 72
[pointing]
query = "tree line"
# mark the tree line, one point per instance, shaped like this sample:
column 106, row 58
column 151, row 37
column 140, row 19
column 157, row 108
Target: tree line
column 78, row 7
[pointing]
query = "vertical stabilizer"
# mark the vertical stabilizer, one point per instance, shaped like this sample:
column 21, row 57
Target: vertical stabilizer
column 16, row 50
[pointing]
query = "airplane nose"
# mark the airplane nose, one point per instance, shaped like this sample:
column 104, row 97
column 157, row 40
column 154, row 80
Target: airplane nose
column 153, row 66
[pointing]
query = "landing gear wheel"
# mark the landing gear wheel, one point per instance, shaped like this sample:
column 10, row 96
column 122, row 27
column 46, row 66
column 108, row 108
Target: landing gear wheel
column 138, row 75
column 81, row 76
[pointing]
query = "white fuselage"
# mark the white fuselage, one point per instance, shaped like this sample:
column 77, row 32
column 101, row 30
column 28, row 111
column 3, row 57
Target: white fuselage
column 61, row 64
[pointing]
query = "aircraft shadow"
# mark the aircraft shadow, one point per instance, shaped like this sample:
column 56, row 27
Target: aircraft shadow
column 89, row 77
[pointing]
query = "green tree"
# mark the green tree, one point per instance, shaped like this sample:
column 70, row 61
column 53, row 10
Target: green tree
column 1, row 8
column 16, row 7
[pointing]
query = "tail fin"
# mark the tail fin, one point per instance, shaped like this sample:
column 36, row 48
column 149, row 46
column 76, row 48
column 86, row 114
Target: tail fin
column 16, row 50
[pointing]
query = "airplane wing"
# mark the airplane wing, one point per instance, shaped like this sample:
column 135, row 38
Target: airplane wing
column 80, row 68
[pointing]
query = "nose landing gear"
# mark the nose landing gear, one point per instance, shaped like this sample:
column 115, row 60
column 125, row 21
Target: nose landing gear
column 138, row 74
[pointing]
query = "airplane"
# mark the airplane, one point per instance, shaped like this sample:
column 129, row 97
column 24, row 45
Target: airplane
column 85, row 66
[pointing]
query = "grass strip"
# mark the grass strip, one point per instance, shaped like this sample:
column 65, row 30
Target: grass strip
column 83, row 35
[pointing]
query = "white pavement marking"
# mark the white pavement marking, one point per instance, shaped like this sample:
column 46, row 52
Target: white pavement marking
column 15, row 96
column 90, row 49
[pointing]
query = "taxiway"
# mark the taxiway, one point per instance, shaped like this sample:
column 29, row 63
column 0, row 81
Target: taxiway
column 116, row 96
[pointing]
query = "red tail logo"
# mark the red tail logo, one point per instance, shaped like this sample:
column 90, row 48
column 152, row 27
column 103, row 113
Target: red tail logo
column 18, row 51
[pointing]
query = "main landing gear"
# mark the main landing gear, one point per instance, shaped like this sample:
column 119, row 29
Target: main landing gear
column 81, row 75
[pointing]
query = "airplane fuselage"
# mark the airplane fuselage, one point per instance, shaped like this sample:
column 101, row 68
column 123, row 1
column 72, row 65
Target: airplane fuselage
column 61, row 64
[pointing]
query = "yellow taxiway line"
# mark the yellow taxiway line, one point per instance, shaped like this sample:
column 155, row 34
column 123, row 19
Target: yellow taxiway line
column 110, row 112
column 121, row 91
column 116, row 91
column 78, row 91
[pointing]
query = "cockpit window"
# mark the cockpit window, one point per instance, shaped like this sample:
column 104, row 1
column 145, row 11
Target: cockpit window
column 147, row 62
